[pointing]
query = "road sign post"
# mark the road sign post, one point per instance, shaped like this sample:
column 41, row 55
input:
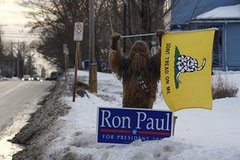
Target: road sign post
column 65, row 52
column 78, row 36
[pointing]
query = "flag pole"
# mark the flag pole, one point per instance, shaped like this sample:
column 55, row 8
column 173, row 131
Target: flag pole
column 139, row 35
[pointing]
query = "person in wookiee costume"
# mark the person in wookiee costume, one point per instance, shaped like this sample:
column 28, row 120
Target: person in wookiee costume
column 138, row 71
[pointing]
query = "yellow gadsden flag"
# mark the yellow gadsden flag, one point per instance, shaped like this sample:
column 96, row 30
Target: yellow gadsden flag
column 186, row 67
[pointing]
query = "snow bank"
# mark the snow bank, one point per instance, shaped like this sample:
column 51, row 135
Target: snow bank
column 200, row 134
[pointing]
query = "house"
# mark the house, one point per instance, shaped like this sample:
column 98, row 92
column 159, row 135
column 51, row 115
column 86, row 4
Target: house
column 222, row 14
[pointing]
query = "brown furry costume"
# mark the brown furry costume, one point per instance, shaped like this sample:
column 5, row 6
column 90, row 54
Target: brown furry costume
column 139, row 73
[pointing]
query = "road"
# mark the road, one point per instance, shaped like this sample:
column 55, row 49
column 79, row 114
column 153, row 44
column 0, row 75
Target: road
column 17, row 97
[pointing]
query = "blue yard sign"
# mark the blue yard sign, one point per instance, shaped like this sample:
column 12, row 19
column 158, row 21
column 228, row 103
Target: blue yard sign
column 121, row 125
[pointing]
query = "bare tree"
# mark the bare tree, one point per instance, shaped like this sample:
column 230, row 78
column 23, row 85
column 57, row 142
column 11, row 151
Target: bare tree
column 1, row 44
column 54, row 20
column 1, row 51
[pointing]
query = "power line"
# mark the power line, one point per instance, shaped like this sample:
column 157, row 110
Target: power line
column 19, row 34
column 34, row 35
column 18, row 37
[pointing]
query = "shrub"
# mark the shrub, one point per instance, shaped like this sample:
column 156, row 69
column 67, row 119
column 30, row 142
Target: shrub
column 222, row 88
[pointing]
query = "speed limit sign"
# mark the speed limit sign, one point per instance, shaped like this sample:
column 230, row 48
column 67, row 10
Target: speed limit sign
column 78, row 31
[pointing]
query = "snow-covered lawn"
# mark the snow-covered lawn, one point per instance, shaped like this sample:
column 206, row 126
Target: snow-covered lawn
column 199, row 134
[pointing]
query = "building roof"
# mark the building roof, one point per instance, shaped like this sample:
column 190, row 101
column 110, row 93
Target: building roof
column 225, row 12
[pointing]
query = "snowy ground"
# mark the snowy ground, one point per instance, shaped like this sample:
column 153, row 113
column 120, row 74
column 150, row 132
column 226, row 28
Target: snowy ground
column 199, row 134
column 18, row 100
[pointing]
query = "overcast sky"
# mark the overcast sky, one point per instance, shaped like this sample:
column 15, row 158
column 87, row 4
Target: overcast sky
column 13, row 20
column 11, row 13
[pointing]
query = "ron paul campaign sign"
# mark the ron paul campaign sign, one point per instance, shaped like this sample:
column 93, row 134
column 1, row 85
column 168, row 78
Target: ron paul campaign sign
column 121, row 125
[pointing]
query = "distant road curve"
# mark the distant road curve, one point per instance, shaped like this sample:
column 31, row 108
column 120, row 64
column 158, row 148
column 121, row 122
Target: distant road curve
column 19, row 96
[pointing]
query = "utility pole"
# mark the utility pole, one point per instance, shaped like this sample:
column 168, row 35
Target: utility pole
column 92, row 63
column 24, row 57
column 124, row 24
column 12, row 59
column 18, row 58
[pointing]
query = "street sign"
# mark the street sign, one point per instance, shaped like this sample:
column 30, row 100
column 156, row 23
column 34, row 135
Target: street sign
column 123, row 126
column 78, row 31
column 65, row 49
column 67, row 52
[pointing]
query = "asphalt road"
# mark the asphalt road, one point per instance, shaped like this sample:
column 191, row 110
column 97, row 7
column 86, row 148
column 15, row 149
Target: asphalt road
column 19, row 96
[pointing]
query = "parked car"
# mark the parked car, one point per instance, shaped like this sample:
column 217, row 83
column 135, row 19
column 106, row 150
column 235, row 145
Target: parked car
column 27, row 78
column 55, row 75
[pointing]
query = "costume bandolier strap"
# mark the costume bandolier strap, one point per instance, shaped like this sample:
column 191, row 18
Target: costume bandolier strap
column 142, row 84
